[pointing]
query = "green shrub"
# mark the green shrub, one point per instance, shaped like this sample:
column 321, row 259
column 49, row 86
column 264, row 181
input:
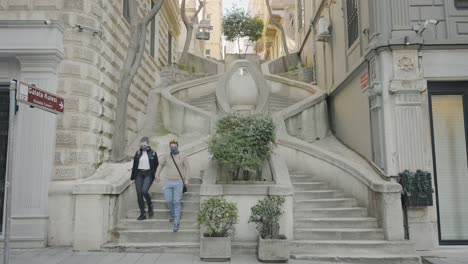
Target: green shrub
column 218, row 216
column 266, row 215
column 242, row 141
column 292, row 68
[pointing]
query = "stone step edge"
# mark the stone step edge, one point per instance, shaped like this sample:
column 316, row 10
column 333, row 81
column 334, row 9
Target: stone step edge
column 331, row 209
column 157, row 231
column 334, row 219
column 357, row 242
column 339, row 258
column 350, row 230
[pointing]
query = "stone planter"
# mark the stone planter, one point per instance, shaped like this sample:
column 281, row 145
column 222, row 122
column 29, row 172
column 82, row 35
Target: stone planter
column 273, row 250
column 215, row 248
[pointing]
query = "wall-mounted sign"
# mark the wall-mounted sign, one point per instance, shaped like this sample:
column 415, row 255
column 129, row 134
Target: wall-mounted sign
column 33, row 96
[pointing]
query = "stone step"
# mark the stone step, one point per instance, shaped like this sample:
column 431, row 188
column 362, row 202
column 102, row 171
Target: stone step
column 155, row 236
column 185, row 203
column 346, row 247
column 360, row 259
column 338, row 234
column 188, row 196
column 163, row 214
column 331, row 212
column 133, row 224
column 152, row 247
column 357, row 222
column 317, row 194
column 302, row 178
column 309, row 186
column 324, row 203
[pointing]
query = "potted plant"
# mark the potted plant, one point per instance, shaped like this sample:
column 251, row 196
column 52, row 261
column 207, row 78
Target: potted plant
column 272, row 247
column 417, row 188
column 242, row 143
column 218, row 218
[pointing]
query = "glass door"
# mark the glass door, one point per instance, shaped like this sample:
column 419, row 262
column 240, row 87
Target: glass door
column 448, row 103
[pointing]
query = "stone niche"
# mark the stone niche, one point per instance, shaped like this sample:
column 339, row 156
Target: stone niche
column 243, row 88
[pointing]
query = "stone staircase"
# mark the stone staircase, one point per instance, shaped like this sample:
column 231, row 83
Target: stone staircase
column 277, row 102
column 328, row 226
column 155, row 234
column 207, row 103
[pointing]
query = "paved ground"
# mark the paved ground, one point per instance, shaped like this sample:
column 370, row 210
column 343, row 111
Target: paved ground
column 446, row 255
column 67, row 256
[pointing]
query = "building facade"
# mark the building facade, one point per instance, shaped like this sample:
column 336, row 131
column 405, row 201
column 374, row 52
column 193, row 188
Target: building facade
column 397, row 79
column 270, row 46
column 213, row 13
column 196, row 45
column 74, row 48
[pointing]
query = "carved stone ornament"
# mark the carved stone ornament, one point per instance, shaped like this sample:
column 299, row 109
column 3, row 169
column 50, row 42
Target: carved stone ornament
column 397, row 86
column 374, row 90
column 406, row 64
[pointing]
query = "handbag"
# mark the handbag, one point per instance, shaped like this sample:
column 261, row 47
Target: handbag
column 180, row 174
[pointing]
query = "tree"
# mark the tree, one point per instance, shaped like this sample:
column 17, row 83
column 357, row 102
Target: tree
column 252, row 28
column 232, row 24
column 189, row 27
column 281, row 28
column 138, row 27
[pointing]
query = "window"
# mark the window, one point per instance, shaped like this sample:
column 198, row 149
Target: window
column 461, row 3
column 169, row 48
column 153, row 33
column 126, row 10
column 352, row 21
column 208, row 52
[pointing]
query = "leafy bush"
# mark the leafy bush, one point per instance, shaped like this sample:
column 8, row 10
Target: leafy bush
column 266, row 214
column 417, row 187
column 218, row 216
column 242, row 141
column 292, row 68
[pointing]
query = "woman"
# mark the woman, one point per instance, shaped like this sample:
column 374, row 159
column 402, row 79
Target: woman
column 177, row 174
column 145, row 164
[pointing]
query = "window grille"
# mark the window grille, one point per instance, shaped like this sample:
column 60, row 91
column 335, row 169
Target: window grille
column 352, row 21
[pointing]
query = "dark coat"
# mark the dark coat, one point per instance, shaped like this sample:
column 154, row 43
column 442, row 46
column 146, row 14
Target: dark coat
column 153, row 161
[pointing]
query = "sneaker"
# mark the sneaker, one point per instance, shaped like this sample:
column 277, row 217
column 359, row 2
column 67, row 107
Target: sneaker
column 141, row 217
column 150, row 211
column 176, row 228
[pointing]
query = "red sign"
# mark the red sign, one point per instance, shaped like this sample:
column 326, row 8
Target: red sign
column 364, row 81
column 33, row 96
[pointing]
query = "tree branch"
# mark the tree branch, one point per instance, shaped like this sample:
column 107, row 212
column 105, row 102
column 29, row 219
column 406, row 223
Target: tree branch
column 200, row 7
column 183, row 14
column 152, row 12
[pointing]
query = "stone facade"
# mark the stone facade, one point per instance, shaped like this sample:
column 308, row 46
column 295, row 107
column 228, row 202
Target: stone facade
column 377, row 80
column 87, row 76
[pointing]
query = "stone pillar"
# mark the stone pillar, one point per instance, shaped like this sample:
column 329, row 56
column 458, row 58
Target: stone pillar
column 33, row 153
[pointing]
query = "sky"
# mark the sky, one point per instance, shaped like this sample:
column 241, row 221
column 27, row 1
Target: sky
column 227, row 4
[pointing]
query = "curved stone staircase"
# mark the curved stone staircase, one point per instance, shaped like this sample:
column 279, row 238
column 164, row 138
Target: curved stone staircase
column 328, row 226
column 155, row 234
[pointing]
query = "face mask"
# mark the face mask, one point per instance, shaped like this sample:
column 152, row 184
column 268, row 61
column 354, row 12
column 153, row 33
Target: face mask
column 174, row 150
column 144, row 148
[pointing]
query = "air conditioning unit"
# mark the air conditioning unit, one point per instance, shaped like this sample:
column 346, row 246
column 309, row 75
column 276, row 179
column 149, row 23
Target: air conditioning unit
column 323, row 31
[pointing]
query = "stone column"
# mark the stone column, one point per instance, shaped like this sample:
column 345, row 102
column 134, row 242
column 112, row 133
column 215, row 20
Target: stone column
column 33, row 152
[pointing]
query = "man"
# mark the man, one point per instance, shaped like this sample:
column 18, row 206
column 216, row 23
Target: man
column 177, row 173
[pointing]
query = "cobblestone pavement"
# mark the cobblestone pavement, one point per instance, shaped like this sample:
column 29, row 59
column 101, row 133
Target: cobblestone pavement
column 67, row 256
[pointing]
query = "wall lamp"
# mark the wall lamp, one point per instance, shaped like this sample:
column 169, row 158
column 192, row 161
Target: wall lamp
column 95, row 32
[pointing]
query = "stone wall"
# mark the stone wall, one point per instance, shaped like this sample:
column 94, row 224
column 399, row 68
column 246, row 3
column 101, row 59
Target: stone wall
column 89, row 75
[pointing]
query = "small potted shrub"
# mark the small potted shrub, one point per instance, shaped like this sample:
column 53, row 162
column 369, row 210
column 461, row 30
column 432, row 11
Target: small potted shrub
column 272, row 247
column 218, row 218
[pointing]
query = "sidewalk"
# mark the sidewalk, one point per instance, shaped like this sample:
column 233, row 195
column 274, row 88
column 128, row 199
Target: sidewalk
column 67, row 256
column 445, row 255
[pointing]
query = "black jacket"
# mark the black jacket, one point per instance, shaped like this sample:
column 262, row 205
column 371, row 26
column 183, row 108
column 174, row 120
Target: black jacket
column 153, row 161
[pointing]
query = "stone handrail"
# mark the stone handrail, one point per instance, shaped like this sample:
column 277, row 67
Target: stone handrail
column 180, row 117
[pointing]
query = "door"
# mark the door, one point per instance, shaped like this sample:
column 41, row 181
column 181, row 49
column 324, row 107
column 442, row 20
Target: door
column 4, row 113
column 448, row 102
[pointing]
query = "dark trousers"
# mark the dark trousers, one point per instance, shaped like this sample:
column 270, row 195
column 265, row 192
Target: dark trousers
column 143, row 183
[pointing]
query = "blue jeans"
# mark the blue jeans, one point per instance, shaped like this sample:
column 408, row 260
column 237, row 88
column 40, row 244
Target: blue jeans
column 143, row 183
column 173, row 195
